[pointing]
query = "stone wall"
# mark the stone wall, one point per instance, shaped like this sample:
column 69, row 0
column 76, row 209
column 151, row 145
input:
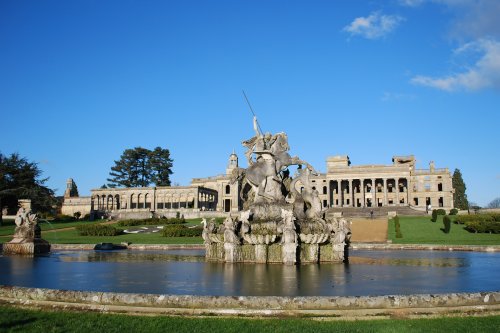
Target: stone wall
column 331, row 306
column 76, row 204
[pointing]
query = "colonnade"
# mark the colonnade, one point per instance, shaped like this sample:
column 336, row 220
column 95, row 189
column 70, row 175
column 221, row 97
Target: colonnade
column 370, row 192
column 200, row 198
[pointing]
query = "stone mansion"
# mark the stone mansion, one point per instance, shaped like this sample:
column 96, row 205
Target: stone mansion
column 343, row 186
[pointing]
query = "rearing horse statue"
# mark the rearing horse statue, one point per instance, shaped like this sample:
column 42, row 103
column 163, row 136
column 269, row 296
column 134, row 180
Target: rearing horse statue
column 264, row 175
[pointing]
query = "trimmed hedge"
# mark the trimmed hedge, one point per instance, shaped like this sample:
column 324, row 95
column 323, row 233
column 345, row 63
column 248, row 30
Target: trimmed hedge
column 480, row 223
column 151, row 221
column 97, row 230
column 177, row 230
column 463, row 219
column 453, row 211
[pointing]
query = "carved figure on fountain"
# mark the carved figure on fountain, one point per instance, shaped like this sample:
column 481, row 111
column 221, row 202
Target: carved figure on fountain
column 27, row 235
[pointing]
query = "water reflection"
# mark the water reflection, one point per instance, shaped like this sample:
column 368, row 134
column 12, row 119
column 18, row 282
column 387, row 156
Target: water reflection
column 186, row 272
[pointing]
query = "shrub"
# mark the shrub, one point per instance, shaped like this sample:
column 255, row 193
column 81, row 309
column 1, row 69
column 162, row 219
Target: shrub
column 177, row 230
column 485, row 226
column 63, row 218
column 434, row 215
column 441, row 211
column 77, row 215
column 175, row 220
column 463, row 219
column 135, row 222
column 151, row 221
column 86, row 217
column 397, row 227
column 97, row 230
column 447, row 224
column 453, row 211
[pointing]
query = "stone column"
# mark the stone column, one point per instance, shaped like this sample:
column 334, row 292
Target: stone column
column 374, row 194
column 341, row 197
column 397, row 191
column 351, row 194
column 408, row 191
column 362, row 184
column 385, row 191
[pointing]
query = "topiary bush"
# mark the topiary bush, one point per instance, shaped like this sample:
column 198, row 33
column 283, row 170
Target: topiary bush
column 434, row 215
column 447, row 224
column 97, row 230
column 453, row 211
column 177, row 230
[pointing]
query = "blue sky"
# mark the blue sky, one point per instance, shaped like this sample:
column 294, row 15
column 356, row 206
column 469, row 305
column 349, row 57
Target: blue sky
column 81, row 81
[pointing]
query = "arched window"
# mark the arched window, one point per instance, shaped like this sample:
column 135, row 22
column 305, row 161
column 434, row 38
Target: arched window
column 228, row 189
column 325, row 190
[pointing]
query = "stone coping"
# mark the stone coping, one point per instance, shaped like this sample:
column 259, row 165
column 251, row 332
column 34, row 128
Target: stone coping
column 355, row 246
column 359, row 307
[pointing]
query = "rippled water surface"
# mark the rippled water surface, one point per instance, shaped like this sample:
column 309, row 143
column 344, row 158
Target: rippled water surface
column 186, row 272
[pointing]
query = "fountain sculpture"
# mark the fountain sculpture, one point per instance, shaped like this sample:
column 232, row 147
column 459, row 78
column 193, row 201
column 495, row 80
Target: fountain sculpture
column 282, row 220
column 27, row 235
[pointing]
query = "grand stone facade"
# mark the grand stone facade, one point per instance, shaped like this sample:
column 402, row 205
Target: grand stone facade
column 344, row 185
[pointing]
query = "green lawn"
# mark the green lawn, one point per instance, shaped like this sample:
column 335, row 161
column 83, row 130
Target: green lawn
column 72, row 237
column 21, row 320
column 420, row 230
column 8, row 226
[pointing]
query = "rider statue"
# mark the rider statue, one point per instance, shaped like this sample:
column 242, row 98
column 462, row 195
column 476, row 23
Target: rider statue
column 271, row 158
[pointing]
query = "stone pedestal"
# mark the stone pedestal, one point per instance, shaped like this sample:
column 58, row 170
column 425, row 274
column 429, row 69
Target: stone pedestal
column 232, row 252
column 338, row 252
column 261, row 253
column 37, row 246
column 290, row 253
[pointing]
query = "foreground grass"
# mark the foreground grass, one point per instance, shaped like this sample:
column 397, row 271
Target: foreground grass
column 421, row 230
column 20, row 320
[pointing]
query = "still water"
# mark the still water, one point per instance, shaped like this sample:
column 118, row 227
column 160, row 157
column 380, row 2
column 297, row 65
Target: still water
column 181, row 272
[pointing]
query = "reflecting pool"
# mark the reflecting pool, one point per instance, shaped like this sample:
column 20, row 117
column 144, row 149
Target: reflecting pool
column 181, row 272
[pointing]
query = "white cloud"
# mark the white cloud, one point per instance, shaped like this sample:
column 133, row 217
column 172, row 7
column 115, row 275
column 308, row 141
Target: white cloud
column 376, row 25
column 483, row 73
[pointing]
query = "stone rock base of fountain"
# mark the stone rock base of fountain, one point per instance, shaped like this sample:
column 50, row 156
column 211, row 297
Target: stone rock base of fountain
column 37, row 246
column 274, row 253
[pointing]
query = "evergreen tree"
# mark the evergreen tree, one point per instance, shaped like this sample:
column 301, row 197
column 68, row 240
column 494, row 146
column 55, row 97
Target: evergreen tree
column 459, row 197
column 140, row 167
column 160, row 166
column 20, row 179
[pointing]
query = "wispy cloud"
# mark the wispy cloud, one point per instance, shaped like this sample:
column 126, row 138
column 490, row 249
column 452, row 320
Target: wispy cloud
column 483, row 73
column 374, row 26
column 411, row 3
column 471, row 18
column 391, row 96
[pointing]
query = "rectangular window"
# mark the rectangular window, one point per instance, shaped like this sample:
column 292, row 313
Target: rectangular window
column 159, row 205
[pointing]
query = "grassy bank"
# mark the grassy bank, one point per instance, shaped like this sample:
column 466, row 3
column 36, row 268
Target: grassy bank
column 20, row 320
column 421, row 230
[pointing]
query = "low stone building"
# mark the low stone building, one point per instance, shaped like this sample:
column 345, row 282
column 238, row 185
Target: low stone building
column 343, row 186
